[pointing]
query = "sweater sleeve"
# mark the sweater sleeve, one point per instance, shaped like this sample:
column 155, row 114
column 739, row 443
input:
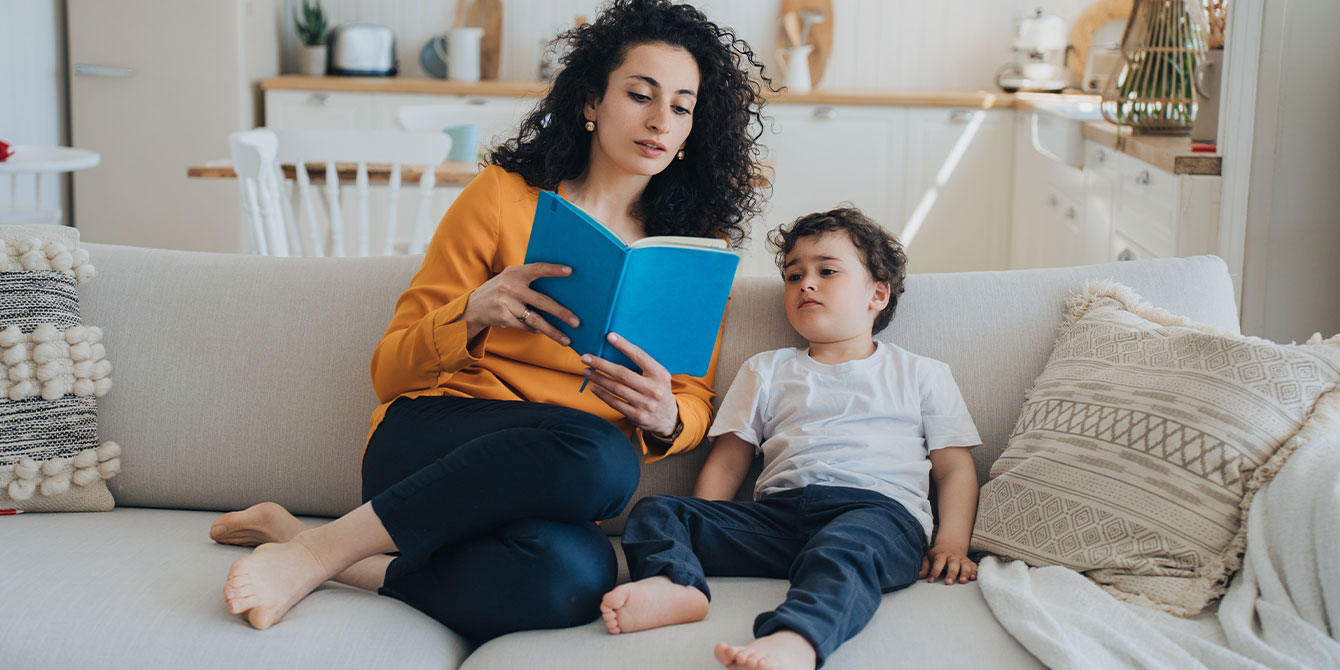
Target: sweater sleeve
column 426, row 340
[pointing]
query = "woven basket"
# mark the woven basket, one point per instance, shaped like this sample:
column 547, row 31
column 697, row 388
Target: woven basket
column 1164, row 42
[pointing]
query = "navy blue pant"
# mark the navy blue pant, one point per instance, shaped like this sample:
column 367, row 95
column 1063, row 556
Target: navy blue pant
column 491, row 504
column 840, row 547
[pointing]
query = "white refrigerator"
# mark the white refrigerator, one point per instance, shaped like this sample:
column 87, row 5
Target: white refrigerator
column 157, row 86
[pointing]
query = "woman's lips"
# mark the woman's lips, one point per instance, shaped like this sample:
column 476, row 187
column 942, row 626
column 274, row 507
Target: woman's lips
column 650, row 149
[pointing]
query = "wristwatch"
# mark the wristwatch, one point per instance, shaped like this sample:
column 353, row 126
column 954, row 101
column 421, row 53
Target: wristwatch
column 668, row 440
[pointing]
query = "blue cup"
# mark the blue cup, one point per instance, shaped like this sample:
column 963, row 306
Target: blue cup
column 464, row 143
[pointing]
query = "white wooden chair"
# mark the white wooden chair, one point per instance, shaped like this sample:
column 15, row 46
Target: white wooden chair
column 277, row 227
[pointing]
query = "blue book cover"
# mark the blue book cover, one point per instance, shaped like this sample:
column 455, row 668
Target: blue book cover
column 664, row 294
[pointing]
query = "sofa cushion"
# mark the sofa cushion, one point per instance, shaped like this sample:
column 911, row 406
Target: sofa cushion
column 141, row 588
column 1140, row 446
column 922, row 626
column 52, row 370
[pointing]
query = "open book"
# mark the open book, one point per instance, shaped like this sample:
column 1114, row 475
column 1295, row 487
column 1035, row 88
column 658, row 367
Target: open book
column 664, row 294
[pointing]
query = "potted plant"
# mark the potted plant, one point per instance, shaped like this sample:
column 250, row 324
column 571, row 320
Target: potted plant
column 312, row 28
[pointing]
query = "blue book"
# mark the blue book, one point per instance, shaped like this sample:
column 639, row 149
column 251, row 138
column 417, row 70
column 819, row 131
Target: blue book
column 665, row 294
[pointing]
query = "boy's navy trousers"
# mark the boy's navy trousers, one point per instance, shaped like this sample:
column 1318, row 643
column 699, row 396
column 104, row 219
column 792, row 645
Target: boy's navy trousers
column 840, row 547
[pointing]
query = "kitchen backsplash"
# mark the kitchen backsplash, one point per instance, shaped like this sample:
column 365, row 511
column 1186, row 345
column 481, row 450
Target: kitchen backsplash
column 900, row 44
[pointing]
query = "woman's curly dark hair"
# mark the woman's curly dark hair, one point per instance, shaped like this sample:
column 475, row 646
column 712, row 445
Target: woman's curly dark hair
column 714, row 191
column 880, row 250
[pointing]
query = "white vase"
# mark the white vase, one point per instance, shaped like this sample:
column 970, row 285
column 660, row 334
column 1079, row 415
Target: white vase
column 312, row 60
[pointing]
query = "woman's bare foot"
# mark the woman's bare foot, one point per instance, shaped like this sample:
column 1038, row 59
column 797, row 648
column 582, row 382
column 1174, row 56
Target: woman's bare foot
column 783, row 650
column 651, row 603
column 266, row 584
column 256, row 525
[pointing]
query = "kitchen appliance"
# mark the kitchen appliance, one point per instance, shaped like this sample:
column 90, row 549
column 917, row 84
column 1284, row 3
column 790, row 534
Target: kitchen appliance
column 361, row 49
column 1039, row 54
column 151, row 100
column 1103, row 61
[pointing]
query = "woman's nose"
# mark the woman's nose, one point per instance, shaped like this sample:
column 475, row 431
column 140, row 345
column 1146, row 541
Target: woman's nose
column 659, row 120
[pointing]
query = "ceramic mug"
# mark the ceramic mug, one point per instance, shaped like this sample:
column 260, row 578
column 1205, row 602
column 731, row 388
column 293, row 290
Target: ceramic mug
column 464, row 143
column 460, row 53
column 795, row 65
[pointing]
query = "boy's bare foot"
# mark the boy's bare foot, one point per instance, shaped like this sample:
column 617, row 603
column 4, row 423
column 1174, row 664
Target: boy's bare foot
column 651, row 603
column 256, row 525
column 271, row 580
column 783, row 650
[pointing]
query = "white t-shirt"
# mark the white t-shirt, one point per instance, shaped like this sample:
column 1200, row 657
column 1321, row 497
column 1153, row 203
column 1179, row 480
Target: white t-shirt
column 868, row 423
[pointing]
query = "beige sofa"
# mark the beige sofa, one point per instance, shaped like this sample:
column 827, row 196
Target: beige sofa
column 240, row 379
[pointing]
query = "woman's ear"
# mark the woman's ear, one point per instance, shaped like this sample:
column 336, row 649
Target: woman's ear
column 589, row 109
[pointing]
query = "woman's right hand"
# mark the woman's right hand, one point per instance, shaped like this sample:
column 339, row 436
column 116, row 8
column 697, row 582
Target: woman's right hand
column 507, row 300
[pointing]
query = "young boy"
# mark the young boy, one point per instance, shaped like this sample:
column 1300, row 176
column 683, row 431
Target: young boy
column 848, row 430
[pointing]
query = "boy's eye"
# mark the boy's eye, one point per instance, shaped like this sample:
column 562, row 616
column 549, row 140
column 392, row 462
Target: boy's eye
column 828, row 271
column 794, row 276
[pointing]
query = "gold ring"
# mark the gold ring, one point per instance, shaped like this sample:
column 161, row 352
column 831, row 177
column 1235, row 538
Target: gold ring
column 523, row 316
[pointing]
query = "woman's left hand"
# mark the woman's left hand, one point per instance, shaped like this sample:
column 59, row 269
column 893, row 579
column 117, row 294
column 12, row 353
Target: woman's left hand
column 646, row 399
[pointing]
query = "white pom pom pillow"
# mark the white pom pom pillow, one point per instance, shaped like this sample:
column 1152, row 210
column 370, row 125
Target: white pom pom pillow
column 52, row 370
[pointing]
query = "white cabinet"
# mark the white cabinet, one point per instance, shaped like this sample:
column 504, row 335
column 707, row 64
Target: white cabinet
column 825, row 156
column 956, row 181
column 318, row 109
column 1052, row 225
column 1153, row 212
column 497, row 117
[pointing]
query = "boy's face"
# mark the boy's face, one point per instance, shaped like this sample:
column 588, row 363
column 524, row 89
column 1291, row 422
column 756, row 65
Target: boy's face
column 830, row 296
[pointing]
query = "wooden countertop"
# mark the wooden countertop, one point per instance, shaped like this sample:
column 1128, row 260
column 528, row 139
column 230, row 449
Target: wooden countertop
column 828, row 96
column 1169, row 153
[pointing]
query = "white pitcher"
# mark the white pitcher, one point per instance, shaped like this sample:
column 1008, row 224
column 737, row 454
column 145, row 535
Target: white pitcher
column 795, row 66
column 461, row 55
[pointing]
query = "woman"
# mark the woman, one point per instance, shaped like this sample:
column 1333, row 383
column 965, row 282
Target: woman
column 485, row 467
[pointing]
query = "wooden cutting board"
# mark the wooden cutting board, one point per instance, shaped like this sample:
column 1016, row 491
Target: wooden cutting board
column 821, row 35
column 488, row 14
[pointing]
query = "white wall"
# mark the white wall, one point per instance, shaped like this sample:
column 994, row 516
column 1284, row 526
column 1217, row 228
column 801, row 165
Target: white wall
column 32, row 84
column 908, row 44
column 1291, row 262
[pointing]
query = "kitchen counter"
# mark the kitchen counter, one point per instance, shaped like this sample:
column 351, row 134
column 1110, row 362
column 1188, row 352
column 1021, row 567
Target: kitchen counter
column 1171, row 153
column 980, row 99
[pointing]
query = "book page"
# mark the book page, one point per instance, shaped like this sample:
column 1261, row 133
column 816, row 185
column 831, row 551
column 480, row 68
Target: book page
column 681, row 241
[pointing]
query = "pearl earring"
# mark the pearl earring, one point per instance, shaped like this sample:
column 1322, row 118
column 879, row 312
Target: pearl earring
column 681, row 154
column 590, row 126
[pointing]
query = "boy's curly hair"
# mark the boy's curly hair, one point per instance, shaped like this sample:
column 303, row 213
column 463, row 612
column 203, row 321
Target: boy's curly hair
column 712, row 192
column 880, row 250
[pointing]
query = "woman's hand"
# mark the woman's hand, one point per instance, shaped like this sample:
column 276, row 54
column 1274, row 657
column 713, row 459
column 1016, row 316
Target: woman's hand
column 507, row 300
column 646, row 399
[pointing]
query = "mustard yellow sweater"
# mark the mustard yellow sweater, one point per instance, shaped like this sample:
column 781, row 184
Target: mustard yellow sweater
column 425, row 353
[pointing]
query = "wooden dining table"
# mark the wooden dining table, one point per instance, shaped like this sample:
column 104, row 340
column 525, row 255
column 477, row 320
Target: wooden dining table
column 378, row 173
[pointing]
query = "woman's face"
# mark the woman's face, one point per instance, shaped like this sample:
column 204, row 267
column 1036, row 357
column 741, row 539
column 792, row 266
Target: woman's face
column 645, row 117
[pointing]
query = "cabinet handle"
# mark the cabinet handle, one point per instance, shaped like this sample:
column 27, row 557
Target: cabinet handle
column 1142, row 177
column 319, row 99
column 1126, row 255
column 825, row 113
column 1100, row 155
column 1070, row 213
column 476, row 101
column 1051, row 202
column 87, row 70
column 962, row 115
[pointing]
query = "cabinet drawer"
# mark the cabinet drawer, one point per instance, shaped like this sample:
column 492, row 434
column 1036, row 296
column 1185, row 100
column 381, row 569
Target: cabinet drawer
column 1124, row 249
column 1147, row 205
column 318, row 109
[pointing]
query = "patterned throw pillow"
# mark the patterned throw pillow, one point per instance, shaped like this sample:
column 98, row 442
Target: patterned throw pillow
column 52, row 369
column 1141, row 445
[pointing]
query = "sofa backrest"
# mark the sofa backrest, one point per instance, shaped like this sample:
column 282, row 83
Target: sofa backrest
column 243, row 378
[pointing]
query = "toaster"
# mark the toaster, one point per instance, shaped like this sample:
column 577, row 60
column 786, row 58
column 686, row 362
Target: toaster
column 361, row 49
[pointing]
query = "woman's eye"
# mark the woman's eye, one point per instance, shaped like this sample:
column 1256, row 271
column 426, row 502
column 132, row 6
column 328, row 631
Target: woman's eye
column 680, row 110
column 638, row 97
